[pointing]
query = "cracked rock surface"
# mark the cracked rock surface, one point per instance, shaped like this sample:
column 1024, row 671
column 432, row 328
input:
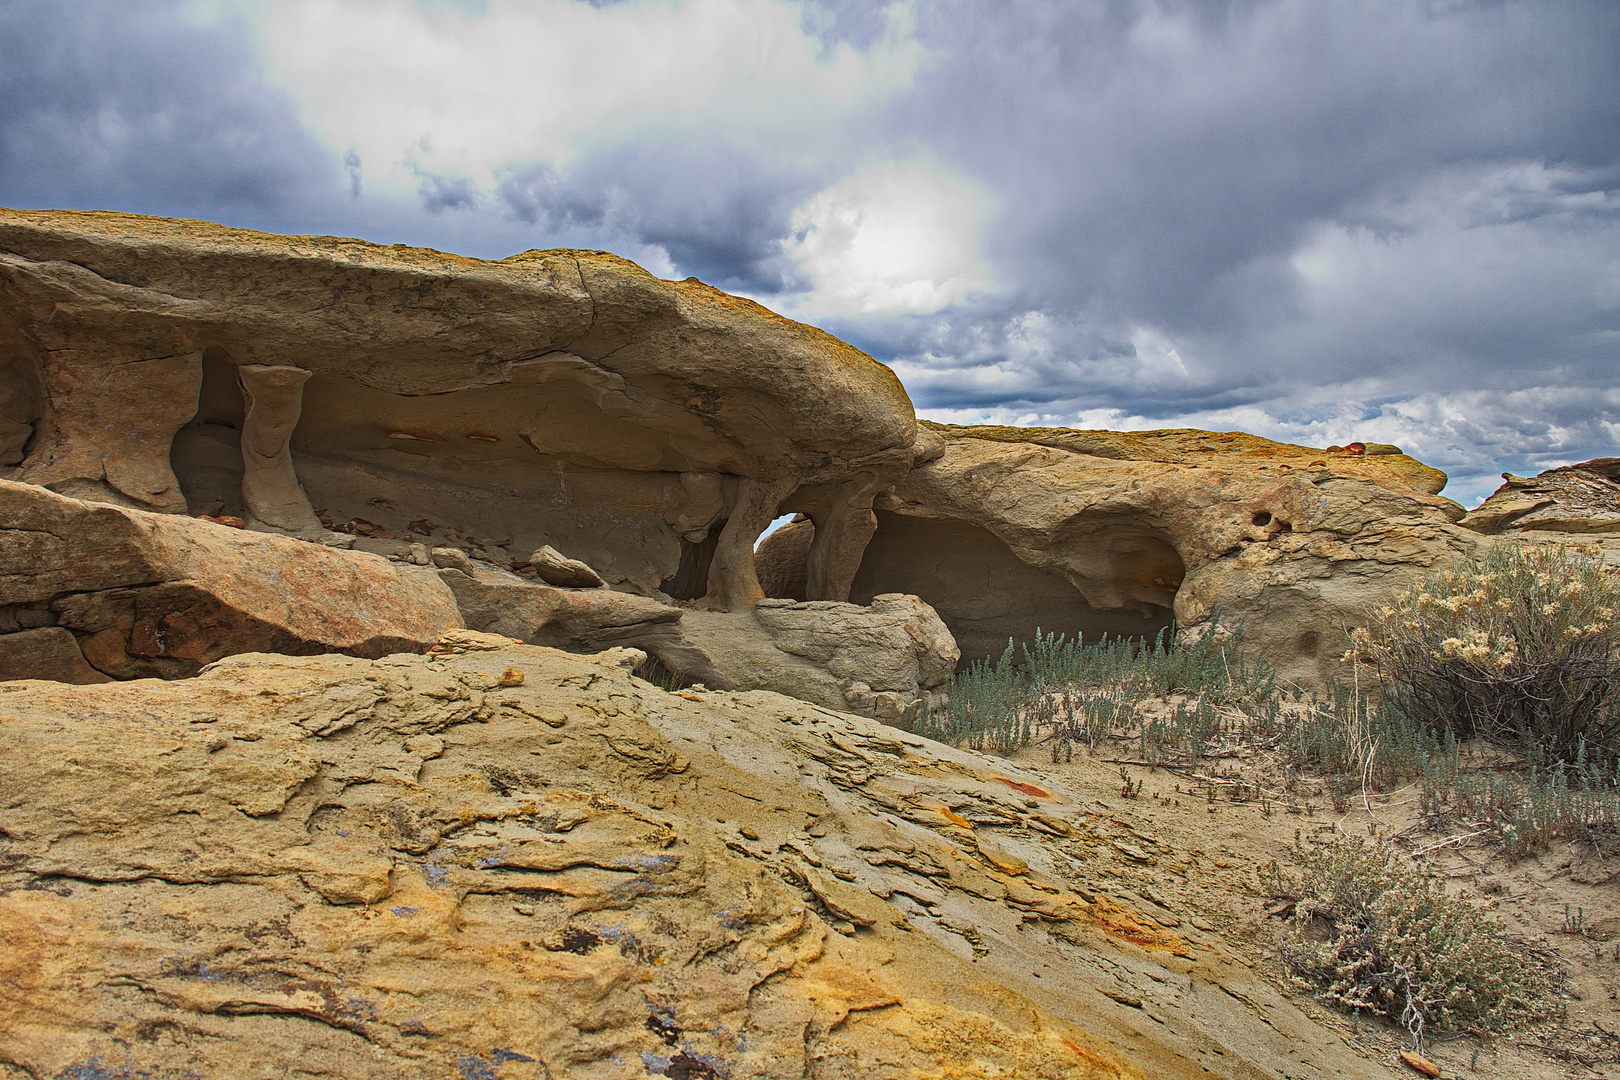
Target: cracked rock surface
column 499, row 860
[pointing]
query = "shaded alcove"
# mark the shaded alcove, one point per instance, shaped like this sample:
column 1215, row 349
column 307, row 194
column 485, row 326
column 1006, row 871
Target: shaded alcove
column 984, row 593
column 207, row 452
column 691, row 578
column 22, row 397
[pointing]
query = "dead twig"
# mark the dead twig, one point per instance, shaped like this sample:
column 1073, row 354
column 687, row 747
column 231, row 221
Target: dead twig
column 1447, row 843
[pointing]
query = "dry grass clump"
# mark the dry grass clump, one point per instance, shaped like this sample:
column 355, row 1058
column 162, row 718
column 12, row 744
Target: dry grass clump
column 1371, row 932
column 1066, row 691
column 1521, row 648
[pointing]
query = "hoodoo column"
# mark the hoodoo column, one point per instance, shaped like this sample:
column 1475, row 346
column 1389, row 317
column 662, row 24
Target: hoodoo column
column 733, row 580
column 275, row 501
column 844, row 526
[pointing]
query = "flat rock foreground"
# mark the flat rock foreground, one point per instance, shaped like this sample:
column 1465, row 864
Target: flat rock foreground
column 394, row 680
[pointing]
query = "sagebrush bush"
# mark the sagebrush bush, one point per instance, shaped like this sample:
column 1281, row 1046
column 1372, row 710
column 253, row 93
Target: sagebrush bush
column 1371, row 932
column 1521, row 648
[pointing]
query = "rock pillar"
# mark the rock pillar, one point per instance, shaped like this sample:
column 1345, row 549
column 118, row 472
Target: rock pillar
column 108, row 424
column 733, row 581
column 844, row 526
column 275, row 501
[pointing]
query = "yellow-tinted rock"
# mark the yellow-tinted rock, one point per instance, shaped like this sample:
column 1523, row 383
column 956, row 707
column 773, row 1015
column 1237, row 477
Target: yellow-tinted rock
column 374, row 868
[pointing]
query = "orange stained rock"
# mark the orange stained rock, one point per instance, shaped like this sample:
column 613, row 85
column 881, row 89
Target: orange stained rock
column 1025, row 788
column 954, row 818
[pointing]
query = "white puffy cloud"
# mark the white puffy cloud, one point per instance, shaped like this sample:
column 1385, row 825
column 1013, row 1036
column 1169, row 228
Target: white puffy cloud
column 446, row 98
column 891, row 238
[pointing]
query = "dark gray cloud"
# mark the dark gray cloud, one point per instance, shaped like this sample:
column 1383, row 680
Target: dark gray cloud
column 1399, row 217
column 121, row 104
column 720, row 213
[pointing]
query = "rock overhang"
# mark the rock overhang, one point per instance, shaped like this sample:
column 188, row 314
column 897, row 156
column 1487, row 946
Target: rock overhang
column 418, row 372
column 716, row 370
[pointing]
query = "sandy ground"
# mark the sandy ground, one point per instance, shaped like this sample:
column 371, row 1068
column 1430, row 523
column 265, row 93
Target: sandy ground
column 1566, row 899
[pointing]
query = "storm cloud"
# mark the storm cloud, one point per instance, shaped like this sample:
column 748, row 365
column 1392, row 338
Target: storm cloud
column 1395, row 220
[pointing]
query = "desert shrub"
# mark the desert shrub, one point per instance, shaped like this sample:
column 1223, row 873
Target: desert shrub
column 1525, row 814
column 982, row 708
column 1373, row 933
column 1521, row 647
column 1214, row 666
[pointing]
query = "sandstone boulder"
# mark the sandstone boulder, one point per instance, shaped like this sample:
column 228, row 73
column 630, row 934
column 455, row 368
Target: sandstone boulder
column 49, row 653
column 555, row 568
column 140, row 594
column 883, row 660
column 496, row 602
column 647, row 427
column 505, row 861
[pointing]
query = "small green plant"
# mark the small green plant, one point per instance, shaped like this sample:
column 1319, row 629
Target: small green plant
column 1346, row 734
column 1525, row 814
column 1068, row 692
column 1521, row 648
column 1371, row 932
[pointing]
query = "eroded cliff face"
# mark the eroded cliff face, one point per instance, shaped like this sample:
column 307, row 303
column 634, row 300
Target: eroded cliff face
column 556, row 397
column 500, row 860
column 1580, row 501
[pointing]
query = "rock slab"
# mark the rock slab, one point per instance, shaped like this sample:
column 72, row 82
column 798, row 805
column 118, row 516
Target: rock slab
column 504, row 861
column 159, row 594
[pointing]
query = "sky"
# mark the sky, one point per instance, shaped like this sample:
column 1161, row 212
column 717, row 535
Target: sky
column 1386, row 220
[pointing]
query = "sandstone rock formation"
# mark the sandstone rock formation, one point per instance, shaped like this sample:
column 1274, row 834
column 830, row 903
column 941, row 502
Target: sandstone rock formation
column 1576, row 500
column 1076, row 532
column 140, row 594
column 507, row 862
column 89, row 591
column 649, row 428
column 568, row 401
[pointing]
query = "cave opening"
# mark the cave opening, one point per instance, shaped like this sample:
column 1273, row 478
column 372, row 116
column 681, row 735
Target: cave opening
column 983, row 592
column 691, row 578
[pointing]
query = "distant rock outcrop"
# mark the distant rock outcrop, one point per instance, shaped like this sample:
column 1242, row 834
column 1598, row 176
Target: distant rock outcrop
column 1574, row 499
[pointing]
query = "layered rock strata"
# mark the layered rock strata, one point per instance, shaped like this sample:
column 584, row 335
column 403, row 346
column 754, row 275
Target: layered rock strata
column 1582, row 499
column 650, row 428
column 506, row 861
